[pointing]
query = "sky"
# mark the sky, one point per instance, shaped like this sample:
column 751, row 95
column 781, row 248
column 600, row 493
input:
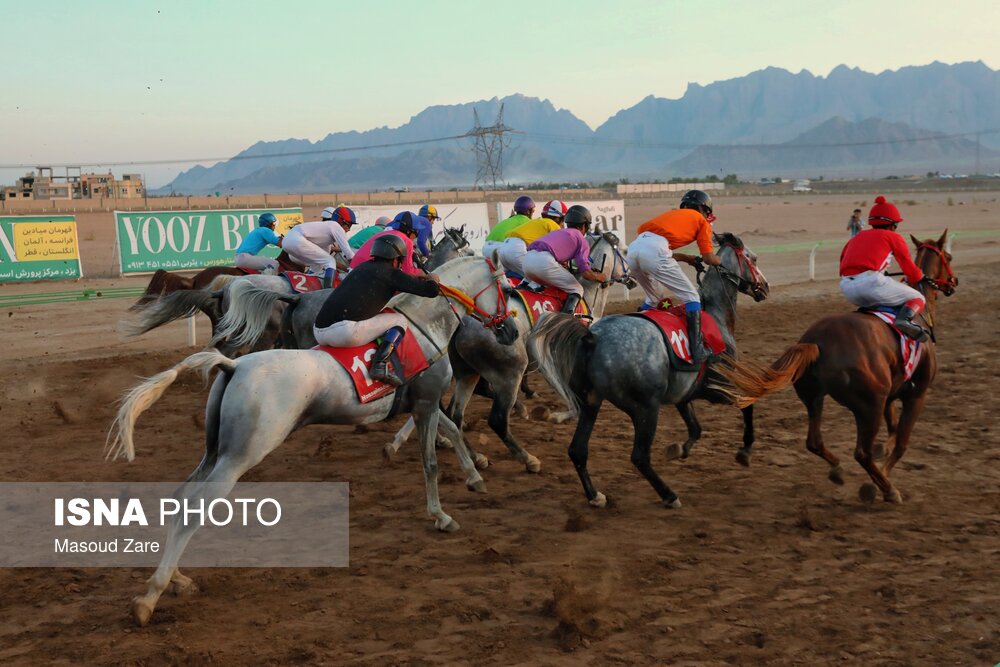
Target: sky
column 116, row 81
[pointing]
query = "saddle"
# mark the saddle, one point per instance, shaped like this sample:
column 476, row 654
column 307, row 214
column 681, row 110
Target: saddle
column 303, row 282
column 909, row 349
column 672, row 324
column 547, row 300
column 408, row 360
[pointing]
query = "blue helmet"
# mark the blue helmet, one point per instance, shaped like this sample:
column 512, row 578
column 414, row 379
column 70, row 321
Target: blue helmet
column 267, row 220
column 404, row 222
column 524, row 205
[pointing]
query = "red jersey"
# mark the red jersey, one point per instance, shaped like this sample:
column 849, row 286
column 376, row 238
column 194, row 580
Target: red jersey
column 873, row 250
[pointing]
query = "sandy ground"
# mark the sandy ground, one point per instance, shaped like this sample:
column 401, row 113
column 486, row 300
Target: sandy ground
column 766, row 565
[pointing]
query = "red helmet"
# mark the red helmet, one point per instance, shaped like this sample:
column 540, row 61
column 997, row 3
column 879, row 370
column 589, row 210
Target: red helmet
column 883, row 214
column 554, row 210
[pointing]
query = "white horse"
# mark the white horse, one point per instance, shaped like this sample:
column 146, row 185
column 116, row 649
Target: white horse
column 243, row 424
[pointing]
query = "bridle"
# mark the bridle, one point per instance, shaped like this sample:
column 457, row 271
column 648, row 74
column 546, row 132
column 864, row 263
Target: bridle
column 946, row 287
column 618, row 260
column 753, row 285
column 472, row 308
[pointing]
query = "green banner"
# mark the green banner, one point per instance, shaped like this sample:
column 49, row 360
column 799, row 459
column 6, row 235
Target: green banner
column 178, row 240
column 39, row 247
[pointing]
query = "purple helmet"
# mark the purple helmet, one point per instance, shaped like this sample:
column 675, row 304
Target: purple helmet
column 524, row 205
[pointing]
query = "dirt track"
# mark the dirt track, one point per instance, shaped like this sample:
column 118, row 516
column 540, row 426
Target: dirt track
column 766, row 565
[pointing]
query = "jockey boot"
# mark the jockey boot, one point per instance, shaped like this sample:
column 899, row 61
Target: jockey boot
column 572, row 301
column 909, row 328
column 328, row 277
column 695, row 339
column 381, row 370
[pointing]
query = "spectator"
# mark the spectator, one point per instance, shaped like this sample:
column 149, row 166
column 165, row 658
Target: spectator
column 855, row 224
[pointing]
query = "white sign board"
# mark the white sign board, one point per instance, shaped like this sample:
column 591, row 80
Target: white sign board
column 475, row 217
column 608, row 214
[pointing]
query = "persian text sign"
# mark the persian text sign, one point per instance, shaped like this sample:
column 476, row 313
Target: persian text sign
column 39, row 248
column 608, row 215
column 177, row 240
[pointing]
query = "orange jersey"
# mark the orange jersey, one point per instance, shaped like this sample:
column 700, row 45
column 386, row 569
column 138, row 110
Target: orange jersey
column 680, row 227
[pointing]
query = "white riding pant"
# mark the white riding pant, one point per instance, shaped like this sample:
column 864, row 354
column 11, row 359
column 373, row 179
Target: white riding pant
column 489, row 247
column 541, row 267
column 245, row 260
column 512, row 254
column 874, row 288
column 347, row 333
column 653, row 265
column 304, row 251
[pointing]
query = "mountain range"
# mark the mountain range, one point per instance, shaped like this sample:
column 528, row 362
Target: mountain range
column 769, row 122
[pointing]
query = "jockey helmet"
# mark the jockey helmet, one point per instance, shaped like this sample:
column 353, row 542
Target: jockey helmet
column 884, row 214
column 388, row 246
column 404, row 222
column 429, row 212
column 340, row 214
column 554, row 210
column 524, row 205
column 578, row 216
column 697, row 200
column 267, row 220
column 383, row 220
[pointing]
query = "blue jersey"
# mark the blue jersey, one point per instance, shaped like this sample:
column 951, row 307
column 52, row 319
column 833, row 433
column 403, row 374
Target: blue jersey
column 257, row 240
column 423, row 228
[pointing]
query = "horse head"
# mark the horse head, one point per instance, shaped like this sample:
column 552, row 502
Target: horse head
column 606, row 257
column 486, row 284
column 739, row 266
column 935, row 262
column 454, row 244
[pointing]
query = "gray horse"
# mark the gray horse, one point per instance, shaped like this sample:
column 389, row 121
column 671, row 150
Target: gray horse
column 243, row 424
column 624, row 359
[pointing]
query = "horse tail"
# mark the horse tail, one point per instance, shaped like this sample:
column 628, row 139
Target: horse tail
column 247, row 315
column 173, row 306
column 554, row 345
column 120, row 442
column 750, row 381
column 220, row 282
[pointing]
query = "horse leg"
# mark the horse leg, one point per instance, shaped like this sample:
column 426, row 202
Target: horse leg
column 426, row 413
column 450, row 430
column 465, row 387
column 644, row 419
column 814, row 438
column 745, row 452
column 505, row 394
column 878, row 451
column 912, row 407
column 578, row 452
column 528, row 391
column 686, row 410
column 866, row 418
column 401, row 436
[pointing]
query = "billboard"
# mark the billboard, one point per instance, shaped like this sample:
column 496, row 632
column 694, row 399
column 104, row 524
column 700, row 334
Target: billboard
column 475, row 217
column 608, row 214
column 39, row 247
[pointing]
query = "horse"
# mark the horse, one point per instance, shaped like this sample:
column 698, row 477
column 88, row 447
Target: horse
column 855, row 359
column 623, row 359
column 475, row 355
column 243, row 424
column 250, row 313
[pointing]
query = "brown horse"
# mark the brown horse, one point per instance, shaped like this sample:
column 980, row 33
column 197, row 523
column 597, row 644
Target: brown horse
column 165, row 282
column 855, row 359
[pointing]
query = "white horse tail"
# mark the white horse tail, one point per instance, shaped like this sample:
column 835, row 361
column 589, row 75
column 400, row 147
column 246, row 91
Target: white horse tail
column 120, row 442
column 247, row 314
column 554, row 345
column 170, row 307
column 220, row 282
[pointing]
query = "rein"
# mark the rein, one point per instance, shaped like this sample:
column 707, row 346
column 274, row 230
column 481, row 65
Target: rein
column 947, row 287
column 472, row 308
column 618, row 260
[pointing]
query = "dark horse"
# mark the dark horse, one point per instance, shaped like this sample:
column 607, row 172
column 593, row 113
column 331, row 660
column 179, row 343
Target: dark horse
column 855, row 359
column 623, row 359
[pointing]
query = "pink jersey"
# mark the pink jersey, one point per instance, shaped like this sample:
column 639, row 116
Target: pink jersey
column 364, row 253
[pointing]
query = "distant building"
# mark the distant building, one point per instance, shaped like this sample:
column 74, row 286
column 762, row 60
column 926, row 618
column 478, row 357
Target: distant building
column 43, row 184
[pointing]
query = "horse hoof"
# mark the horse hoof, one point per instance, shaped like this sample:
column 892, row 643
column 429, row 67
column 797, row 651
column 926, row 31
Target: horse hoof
column 878, row 451
column 482, row 463
column 868, row 492
column 894, row 496
column 600, row 500
column 479, row 486
column 183, row 586
column 836, row 474
column 141, row 611
column 533, row 464
column 387, row 453
column 674, row 504
column 448, row 525
column 443, row 443
column 673, row 452
column 743, row 458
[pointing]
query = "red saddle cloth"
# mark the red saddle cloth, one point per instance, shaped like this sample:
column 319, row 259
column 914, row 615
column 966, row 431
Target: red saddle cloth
column 248, row 272
column 549, row 300
column 909, row 349
column 302, row 283
column 357, row 361
column 673, row 324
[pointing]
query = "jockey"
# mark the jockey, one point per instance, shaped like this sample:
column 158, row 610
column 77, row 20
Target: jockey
column 359, row 239
column 308, row 242
column 524, row 207
column 352, row 314
column 542, row 262
column 515, row 246
column 654, row 264
column 420, row 225
column 863, row 263
column 404, row 232
column 247, row 253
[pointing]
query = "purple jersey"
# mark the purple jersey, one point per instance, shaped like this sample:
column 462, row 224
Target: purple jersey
column 564, row 245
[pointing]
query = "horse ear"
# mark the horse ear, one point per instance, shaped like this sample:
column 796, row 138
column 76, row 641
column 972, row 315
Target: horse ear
column 944, row 239
column 716, row 238
column 916, row 241
column 495, row 257
column 461, row 229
